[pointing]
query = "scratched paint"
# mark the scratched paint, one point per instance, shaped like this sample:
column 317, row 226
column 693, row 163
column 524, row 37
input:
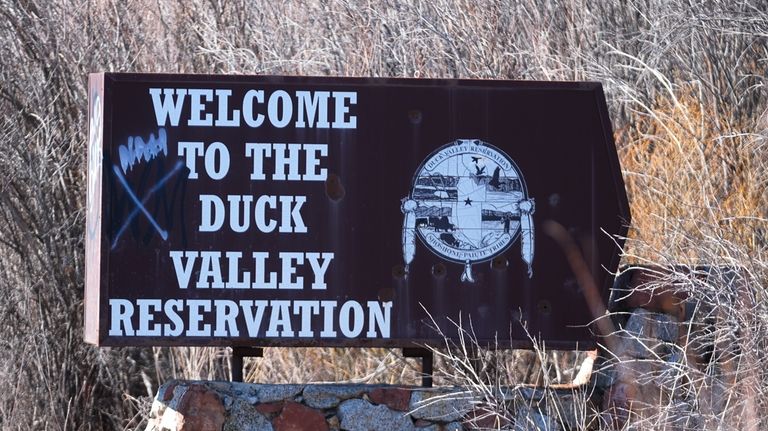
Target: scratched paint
column 95, row 155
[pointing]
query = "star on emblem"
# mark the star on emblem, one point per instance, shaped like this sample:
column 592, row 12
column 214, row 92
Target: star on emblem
column 468, row 202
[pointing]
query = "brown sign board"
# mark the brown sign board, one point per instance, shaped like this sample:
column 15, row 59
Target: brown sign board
column 306, row 211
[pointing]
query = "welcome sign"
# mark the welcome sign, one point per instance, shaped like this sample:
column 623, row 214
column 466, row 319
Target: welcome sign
column 254, row 211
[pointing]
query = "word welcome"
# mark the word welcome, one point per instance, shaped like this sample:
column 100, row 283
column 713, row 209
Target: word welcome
column 305, row 109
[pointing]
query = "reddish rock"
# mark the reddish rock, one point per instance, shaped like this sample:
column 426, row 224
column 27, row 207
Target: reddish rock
column 483, row 419
column 643, row 291
column 297, row 417
column 270, row 409
column 200, row 409
column 394, row 398
column 168, row 391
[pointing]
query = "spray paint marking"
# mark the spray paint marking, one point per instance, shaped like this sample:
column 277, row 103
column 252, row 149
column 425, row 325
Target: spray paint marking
column 136, row 149
column 140, row 204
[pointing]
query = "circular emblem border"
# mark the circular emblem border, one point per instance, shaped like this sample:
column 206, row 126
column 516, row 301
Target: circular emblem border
column 510, row 239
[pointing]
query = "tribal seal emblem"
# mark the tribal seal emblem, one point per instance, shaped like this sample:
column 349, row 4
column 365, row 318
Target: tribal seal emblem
column 468, row 204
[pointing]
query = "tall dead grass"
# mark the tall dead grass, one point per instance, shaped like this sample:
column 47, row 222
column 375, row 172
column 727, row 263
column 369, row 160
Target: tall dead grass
column 686, row 88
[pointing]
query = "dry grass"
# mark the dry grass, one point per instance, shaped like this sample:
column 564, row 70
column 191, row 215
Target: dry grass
column 686, row 88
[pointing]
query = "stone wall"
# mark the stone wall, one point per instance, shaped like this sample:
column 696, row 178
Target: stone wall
column 229, row 406
column 642, row 376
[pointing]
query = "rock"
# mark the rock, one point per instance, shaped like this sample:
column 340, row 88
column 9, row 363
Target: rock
column 270, row 409
column 632, row 347
column 357, row 414
column 200, row 409
column 485, row 419
column 164, row 415
column 296, row 417
column 244, row 391
column 245, row 417
column 650, row 328
column 272, row 393
column 163, row 399
column 333, row 423
column 528, row 419
column 224, row 406
column 165, row 393
column 640, row 288
column 647, row 335
column 444, row 407
column 617, row 402
column 604, row 376
column 328, row 396
column 219, row 386
column 394, row 398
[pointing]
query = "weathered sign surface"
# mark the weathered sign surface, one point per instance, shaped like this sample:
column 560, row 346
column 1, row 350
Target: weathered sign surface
column 297, row 211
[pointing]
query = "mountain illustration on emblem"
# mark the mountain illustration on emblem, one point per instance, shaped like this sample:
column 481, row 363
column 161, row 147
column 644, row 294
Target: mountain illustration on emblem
column 468, row 203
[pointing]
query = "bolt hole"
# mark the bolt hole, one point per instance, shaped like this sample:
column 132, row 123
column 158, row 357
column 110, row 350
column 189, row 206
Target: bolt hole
column 398, row 271
column 334, row 188
column 545, row 307
column 415, row 116
column 439, row 270
column 499, row 263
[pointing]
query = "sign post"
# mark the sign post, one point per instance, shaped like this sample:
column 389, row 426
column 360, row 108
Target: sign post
column 296, row 211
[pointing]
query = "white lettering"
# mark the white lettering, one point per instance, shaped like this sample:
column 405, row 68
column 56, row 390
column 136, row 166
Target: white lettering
column 280, row 316
column 168, row 107
column 146, row 316
column 291, row 216
column 216, row 148
column 184, row 270
column 328, row 307
column 342, row 109
column 191, row 150
column 258, row 152
column 226, row 313
column 354, row 308
column 253, row 322
column 306, row 309
column 195, row 318
column 289, row 270
column 248, row 108
column 280, row 99
column 197, row 107
column 171, row 308
column 319, row 268
column 312, row 107
column 233, row 282
column 210, row 267
column 224, row 120
column 379, row 316
column 259, row 281
column 120, row 317
column 212, row 217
